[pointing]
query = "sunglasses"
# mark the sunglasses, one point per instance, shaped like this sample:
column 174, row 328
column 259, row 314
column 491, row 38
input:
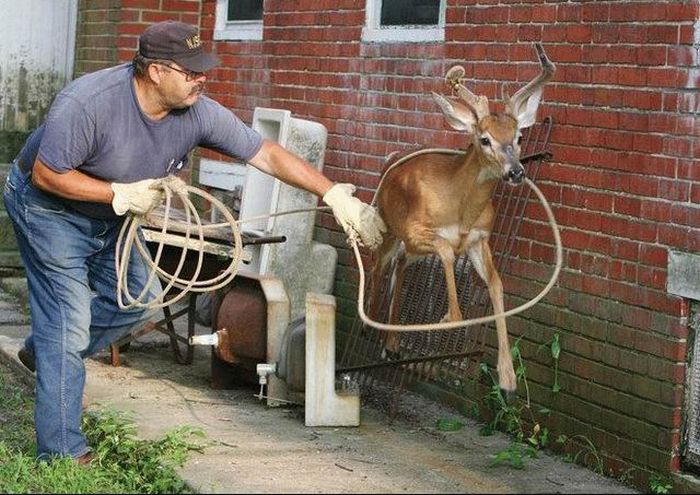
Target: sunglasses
column 190, row 75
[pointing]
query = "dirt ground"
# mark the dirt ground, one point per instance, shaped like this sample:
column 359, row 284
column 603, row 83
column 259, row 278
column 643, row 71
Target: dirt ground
column 252, row 448
column 257, row 449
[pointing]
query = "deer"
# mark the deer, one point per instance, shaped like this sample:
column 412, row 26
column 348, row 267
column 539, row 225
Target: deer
column 441, row 204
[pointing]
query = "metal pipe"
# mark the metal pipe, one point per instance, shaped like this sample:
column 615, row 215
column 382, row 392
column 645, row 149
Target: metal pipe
column 399, row 362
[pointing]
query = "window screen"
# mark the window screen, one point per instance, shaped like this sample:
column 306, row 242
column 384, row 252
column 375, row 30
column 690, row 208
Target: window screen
column 410, row 12
column 245, row 10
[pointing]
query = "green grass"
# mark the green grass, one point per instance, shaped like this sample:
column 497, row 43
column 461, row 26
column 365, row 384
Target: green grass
column 124, row 464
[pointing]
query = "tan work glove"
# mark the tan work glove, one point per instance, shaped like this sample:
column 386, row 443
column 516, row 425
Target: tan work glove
column 138, row 198
column 353, row 214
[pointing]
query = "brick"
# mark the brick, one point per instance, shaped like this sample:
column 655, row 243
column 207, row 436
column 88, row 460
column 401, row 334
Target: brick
column 604, row 33
column 141, row 4
column 663, row 34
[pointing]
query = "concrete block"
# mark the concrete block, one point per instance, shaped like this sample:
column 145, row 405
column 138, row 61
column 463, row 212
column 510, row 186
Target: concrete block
column 684, row 274
column 324, row 406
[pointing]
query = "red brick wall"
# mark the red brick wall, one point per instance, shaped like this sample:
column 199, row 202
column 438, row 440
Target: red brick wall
column 108, row 30
column 624, row 181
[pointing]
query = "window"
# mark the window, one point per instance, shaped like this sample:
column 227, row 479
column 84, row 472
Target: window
column 238, row 20
column 244, row 10
column 405, row 20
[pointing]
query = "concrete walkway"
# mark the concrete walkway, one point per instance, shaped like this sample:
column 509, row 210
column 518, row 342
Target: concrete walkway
column 256, row 449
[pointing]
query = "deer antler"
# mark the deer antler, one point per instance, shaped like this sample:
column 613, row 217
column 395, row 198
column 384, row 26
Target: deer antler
column 478, row 104
column 514, row 103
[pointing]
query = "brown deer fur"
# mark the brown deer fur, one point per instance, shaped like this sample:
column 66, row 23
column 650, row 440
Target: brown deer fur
column 441, row 204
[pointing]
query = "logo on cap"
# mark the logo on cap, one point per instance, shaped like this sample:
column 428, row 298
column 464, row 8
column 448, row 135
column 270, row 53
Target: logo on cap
column 193, row 42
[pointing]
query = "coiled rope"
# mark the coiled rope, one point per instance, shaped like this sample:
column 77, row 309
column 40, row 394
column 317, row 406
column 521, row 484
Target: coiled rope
column 195, row 230
column 128, row 237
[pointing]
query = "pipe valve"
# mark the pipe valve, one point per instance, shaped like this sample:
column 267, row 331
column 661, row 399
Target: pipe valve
column 264, row 369
column 206, row 339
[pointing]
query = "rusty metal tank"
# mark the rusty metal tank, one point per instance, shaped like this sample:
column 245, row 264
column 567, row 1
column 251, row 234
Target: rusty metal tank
column 239, row 314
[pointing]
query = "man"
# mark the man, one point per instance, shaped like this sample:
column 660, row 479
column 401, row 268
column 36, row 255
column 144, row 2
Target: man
column 107, row 138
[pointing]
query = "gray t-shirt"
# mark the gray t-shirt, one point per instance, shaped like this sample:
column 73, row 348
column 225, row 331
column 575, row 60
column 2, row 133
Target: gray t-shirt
column 96, row 126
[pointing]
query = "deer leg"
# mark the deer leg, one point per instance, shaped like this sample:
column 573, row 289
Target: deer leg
column 382, row 257
column 391, row 344
column 480, row 255
column 447, row 255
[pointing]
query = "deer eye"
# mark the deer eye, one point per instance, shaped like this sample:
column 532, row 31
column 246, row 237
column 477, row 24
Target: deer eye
column 485, row 141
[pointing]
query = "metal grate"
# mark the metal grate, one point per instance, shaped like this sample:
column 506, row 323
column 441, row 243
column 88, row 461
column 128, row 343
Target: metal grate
column 692, row 426
column 444, row 356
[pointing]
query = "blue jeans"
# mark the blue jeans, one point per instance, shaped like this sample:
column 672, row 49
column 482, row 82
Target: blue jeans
column 69, row 263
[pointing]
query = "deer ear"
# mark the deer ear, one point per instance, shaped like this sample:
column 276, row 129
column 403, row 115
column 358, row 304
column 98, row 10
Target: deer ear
column 526, row 113
column 459, row 116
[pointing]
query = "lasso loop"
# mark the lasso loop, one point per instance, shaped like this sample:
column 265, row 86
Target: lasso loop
column 173, row 187
column 473, row 321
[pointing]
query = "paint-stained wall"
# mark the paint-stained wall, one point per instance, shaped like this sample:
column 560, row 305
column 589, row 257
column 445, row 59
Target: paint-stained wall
column 36, row 60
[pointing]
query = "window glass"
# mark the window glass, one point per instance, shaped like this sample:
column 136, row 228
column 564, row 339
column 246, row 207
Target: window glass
column 404, row 21
column 244, row 10
column 410, row 12
column 239, row 20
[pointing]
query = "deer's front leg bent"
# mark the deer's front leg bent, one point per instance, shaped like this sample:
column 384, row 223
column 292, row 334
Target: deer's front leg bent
column 480, row 256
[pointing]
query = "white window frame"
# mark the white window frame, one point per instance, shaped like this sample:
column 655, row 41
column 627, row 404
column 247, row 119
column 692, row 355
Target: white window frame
column 374, row 32
column 234, row 30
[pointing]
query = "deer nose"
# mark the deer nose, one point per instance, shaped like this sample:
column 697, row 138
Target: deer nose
column 516, row 174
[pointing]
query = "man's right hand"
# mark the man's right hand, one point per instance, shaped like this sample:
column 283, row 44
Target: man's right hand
column 138, row 198
column 353, row 214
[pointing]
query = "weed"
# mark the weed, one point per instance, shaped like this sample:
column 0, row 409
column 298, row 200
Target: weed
column 658, row 483
column 149, row 465
column 625, row 477
column 124, row 463
column 509, row 417
column 555, row 351
column 514, row 455
column 588, row 455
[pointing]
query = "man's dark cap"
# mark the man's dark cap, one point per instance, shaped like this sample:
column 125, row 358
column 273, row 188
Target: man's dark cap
column 179, row 42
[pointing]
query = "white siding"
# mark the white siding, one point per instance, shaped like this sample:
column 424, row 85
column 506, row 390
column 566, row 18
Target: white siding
column 36, row 58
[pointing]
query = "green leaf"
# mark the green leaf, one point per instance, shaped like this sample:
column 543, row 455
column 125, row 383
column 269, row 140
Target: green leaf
column 556, row 346
column 448, row 424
